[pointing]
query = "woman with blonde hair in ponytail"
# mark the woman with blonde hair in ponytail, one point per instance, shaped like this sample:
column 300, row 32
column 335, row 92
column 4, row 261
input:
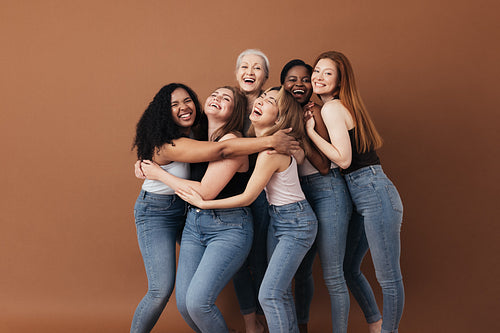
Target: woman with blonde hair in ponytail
column 378, row 211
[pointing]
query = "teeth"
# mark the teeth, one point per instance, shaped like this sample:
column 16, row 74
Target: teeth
column 215, row 106
column 298, row 91
column 249, row 80
column 187, row 115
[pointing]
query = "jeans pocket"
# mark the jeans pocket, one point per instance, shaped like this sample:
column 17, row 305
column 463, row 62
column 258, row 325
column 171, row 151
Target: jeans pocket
column 233, row 218
column 394, row 197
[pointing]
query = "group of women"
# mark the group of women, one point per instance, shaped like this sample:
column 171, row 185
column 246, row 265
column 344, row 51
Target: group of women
column 268, row 179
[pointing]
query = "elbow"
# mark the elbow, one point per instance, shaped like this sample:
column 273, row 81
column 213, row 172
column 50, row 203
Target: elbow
column 344, row 164
column 224, row 152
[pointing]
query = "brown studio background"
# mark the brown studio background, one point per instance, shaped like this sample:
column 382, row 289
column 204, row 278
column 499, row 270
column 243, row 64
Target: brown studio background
column 75, row 77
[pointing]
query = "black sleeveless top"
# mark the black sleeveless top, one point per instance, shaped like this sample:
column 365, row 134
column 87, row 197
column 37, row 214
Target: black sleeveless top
column 236, row 185
column 360, row 160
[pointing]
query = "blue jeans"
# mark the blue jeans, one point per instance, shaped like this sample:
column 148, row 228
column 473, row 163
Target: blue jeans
column 304, row 285
column 292, row 231
column 249, row 277
column 376, row 224
column 159, row 219
column 214, row 245
column 330, row 200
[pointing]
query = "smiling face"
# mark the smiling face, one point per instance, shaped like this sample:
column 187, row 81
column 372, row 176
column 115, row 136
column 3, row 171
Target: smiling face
column 265, row 110
column 220, row 104
column 298, row 83
column 325, row 79
column 183, row 108
column 251, row 74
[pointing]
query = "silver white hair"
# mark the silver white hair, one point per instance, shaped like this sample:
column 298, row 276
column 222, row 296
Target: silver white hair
column 256, row 52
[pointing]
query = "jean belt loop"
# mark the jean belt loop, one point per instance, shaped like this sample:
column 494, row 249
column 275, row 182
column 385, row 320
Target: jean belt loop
column 301, row 206
column 373, row 169
column 143, row 194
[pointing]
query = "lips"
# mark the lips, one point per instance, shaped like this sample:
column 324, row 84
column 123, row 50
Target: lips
column 298, row 92
column 185, row 115
column 257, row 111
column 215, row 105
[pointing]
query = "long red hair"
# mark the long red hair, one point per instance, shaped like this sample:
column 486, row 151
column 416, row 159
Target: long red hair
column 366, row 136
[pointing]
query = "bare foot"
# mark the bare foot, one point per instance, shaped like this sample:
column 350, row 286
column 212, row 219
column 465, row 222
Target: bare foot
column 375, row 327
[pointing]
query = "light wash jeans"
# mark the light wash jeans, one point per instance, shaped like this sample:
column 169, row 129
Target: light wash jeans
column 214, row 245
column 292, row 231
column 304, row 285
column 159, row 219
column 249, row 277
column 376, row 225
column 330, row 200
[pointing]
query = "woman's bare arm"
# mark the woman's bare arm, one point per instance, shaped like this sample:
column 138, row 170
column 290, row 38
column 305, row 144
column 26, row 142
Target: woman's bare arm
column 316, row 157
column 338, row 150
column 265, row 167
column 193, row 151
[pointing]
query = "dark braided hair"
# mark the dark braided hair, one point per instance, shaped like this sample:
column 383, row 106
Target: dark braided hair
column 156, row 126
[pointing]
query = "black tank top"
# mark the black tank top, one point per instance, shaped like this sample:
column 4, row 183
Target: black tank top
column 360, row 160
column 236, row 185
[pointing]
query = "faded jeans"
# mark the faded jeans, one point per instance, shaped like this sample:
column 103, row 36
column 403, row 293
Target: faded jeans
column 159, row 219
column 214, row 245
column 376, row 225
column 292, row 231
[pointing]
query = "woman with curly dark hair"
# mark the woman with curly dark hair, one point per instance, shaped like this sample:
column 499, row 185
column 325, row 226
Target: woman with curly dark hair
column 214, row 242
column 163, row 135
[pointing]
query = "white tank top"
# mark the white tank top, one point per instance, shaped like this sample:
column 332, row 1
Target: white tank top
column 178, row 169
column 284, row 187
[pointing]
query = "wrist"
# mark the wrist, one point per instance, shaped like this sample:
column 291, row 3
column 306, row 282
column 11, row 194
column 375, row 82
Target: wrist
column 269, row 143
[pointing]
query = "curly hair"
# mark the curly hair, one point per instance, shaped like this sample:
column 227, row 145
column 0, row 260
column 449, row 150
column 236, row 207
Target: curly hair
column 156, row 125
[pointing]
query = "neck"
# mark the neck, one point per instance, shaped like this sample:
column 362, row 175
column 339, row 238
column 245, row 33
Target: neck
column 327, row 98
column 213, row 125
column 186, row 130
column 251, row 97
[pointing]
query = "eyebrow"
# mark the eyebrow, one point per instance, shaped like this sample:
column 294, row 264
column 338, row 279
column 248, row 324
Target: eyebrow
column 227, row 95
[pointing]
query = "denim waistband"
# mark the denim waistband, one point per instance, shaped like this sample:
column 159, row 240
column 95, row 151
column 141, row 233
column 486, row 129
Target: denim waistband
column 299, row 204
column 371, row 169
column 219, row 210
column 155, row 196
column 334, row 172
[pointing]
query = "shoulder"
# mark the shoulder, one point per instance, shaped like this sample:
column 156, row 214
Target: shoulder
column 231, row 135
column 334, row 110
column 275, row 160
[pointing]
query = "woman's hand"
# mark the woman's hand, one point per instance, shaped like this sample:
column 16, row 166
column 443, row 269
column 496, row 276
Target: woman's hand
column 189, row 195
column 309, row 120
column 284, row 143
column 151, row 170
column 138, row 171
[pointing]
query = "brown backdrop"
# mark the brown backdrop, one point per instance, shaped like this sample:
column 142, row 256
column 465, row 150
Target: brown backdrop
column 76, row 75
